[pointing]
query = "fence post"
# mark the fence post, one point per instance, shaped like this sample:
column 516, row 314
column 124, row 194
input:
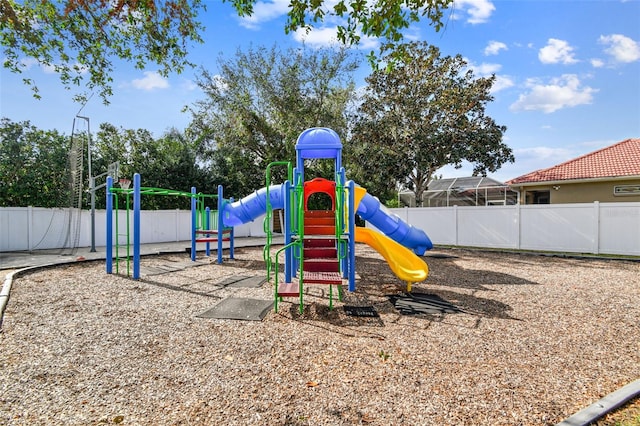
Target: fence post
column 177, row 225
column 30, row 228
column 518, row 226
column 455, row 222
column 596, row 228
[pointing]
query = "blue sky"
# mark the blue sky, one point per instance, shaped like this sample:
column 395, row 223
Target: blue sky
column 568, row 74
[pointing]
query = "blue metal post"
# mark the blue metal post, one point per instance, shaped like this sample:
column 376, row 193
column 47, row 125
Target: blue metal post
column 136, row 226
column 220, row 222
column 109, row 248
column 231, row 236
column 194, row 209
column 193, row 223
column 342, row 181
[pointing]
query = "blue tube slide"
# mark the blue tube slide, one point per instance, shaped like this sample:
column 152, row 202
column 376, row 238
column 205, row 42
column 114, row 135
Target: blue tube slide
column 371, row 210
column 253, row 206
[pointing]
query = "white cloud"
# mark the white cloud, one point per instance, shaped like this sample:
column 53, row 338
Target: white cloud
column 264, row 11
column 151, row 81
column 562, row 92
column 502, row 82
column 538, row 153
column 597, row 63
column 220, row 82
column 556, row 51
column 28, row 63
column 479, row 11
column 494, row 47
column 188, row 85
column 317, row 37
column 621, row 48
column 328, row 37
column 412, row 33
column 51, row 69
column 484, row 69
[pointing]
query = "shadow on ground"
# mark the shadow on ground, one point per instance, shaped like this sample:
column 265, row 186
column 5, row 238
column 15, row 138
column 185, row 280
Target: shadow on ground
column 379, row 291
column 378, row 280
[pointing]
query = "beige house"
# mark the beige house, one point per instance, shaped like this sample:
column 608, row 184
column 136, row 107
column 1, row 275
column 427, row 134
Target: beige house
column 611, row 174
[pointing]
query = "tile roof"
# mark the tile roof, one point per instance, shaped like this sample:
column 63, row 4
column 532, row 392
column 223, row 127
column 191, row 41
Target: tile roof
column 620, row 159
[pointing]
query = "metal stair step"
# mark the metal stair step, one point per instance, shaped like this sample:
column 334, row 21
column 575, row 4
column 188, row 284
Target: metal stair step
column 321, row 265
column 314, row 221
column 319, row 213
column 289, row 289
column 320, row 252
column 319, row 242
column 330, row 278
column 319, row 230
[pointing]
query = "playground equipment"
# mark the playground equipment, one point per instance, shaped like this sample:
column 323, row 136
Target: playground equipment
column 204, row 222
column 320, row 244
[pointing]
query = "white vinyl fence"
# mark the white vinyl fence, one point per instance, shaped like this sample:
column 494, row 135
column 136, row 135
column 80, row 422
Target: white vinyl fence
column 599, row 228
column 35, row 228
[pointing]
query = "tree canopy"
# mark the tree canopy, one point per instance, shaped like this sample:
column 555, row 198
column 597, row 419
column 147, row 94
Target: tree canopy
column 425, row 113
column 78, row 37
column 33, row 165
column 260, row 102
column 83, row 37
column 384, row 19
column 168, row 162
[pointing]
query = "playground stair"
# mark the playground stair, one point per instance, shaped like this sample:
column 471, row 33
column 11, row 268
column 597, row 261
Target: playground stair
column 321, row 264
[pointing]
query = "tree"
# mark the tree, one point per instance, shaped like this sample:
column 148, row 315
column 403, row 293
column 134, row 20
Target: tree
column 426, row 113
column 169, row 162
column 264, row 98
column 33, row 166
column 75, row 37
column 385, row 18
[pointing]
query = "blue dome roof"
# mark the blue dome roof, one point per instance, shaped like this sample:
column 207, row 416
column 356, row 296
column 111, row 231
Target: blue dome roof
column 319, row 142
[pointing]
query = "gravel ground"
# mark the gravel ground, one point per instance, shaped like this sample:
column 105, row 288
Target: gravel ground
column 509, row 339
